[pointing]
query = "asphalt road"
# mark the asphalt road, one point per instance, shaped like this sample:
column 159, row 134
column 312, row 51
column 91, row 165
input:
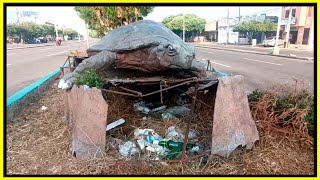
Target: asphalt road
column 307, row 53
column 260, row 71
column 25, row 66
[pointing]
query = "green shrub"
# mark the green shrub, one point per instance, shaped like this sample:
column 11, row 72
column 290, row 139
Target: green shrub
column 255, row 95
column 89, row 78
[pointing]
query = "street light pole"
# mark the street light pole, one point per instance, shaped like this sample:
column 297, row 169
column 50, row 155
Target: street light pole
column 55, row 28
column 276, row 48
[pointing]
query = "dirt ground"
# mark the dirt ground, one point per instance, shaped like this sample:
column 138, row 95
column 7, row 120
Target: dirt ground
column 38, row 142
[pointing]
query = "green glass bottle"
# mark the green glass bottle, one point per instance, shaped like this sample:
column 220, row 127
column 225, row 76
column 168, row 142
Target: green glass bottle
column 171, row 144
column 174, row 148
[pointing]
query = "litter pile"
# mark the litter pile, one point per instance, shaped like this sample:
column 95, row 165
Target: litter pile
column 154, row 127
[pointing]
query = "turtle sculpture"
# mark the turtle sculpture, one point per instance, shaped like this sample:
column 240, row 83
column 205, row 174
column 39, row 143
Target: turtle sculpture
column 143, row 45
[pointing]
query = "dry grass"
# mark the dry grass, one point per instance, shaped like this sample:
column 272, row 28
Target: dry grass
column 38, row 142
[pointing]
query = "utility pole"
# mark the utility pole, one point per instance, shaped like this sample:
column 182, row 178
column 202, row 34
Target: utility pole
column 239, row 15
column 184, row 29
column 228, row 27
column 286, row 43
column 18, row 18
column 276, row 48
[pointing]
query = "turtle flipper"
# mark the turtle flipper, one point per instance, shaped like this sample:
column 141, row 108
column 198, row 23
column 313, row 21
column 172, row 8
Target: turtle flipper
column 96, row 62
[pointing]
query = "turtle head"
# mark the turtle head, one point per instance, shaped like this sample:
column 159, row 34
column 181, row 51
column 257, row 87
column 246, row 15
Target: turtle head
column 176, row 55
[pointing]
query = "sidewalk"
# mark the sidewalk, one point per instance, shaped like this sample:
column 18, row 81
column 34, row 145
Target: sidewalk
column 304, row 54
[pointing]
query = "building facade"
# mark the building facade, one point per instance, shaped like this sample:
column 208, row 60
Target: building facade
column 242, row 38
column 223, row 32
column 301, row 26
column 211, row 31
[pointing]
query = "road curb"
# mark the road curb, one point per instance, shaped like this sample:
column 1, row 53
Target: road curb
column 254, row 52
column 17, row 102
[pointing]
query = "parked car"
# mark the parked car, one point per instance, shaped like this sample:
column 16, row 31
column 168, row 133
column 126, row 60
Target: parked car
column 271, row 41
column 200, row 39
column 38, row 41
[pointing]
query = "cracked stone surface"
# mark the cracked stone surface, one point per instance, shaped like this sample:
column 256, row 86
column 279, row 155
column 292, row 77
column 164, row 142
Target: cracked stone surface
column 88, row 118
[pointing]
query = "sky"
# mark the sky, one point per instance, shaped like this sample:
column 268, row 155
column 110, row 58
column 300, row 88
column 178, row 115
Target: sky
column 67, row 16
column 210, row 12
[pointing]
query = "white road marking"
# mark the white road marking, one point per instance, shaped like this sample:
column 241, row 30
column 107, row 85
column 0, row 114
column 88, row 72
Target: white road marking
column 56, row 53
column 11, row 53
column 219, row 64
column 262, row 61
column 207, row 51
column 44, row 49
column 215, row 62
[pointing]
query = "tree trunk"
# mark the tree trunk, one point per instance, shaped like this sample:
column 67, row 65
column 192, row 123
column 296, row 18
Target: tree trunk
column 98, row 14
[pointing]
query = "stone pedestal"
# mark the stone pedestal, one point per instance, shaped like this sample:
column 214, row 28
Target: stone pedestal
column 232, row 122
column 87, row 112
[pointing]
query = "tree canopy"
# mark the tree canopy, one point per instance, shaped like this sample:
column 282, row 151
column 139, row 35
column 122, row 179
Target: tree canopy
column 255, row 26
column 30, row 30
column 70, row 32
column 105, row 18
column 192, row 22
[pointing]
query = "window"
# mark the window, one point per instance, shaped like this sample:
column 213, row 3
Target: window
column 293, row 13
column 287, row 13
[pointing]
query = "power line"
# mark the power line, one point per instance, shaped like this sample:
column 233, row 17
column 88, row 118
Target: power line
column 260, row 12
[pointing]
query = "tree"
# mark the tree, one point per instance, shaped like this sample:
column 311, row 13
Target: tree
column 28, row 31
column 70, row 32
column 105, row 18
column 193, row 24
column 48, row 30
column 12, row 29
column 255, row 26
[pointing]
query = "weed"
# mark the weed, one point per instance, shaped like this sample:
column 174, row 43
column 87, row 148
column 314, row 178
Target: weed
column 293, row 110
column 255, row 95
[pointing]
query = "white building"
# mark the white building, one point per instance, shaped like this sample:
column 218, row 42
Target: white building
column 30, row 16
column 235, row 37
column 222, row 30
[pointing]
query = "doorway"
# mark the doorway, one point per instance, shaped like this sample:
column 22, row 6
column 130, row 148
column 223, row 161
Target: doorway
column 305, row 36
